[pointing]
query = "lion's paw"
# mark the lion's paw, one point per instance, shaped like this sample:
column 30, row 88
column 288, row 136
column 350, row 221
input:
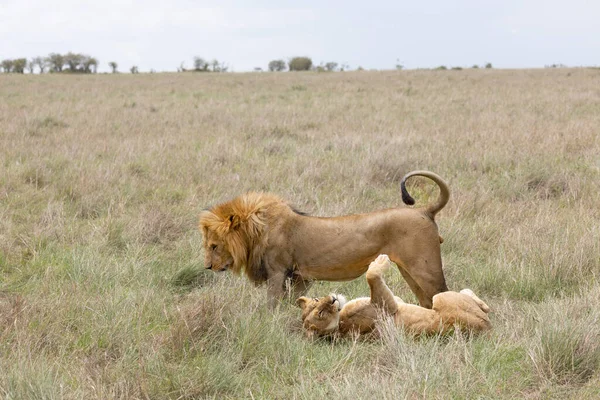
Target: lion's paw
column 379, row 266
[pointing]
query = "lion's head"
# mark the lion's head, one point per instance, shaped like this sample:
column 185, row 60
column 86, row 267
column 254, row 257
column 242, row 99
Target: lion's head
column 321, row 316
column 235, row 234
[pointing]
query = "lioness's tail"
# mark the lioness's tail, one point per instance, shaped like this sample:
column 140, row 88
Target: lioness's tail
column 442, row 199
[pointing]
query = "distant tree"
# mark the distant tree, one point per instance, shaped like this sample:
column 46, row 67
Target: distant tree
column 113, row 66
column 360, row 68
column 331, row 66
column 277, row 66
column 442, row 68
column 19, row 65
column 7, row 66
column 73, row 61
column 56, row 62
column 398, row 65
column 258, row 69
column 30, row 66
column 200, row 64
column 475, row 66
column 89, row 65
column 39, row 62
column 344, row 67
column 555, row 66
column 218, row 66
column 300, row 64
column 215, row 65
column 134, row 69
column 488, row 65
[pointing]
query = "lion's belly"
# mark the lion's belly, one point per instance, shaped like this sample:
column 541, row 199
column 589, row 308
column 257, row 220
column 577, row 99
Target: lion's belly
column 345, row 272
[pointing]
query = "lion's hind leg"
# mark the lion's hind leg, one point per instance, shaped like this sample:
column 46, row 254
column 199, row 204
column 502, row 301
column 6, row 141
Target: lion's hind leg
column 381, row 295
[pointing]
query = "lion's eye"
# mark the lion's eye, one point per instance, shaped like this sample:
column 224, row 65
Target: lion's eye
column 213, row 246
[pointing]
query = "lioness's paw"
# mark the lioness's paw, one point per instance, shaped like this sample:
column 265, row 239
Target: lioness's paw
column 484, row 307
column 379, row 266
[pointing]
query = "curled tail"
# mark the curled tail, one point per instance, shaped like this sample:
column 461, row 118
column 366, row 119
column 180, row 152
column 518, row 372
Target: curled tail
column 442, row 199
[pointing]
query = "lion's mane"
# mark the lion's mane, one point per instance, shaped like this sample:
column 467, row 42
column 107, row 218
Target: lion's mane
column 243, row 226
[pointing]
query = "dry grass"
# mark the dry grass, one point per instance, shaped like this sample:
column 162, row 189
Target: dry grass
column 102, row 287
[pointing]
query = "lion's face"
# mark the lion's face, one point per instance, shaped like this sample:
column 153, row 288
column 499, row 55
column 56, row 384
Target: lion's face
column 320, row 316
column 217, row 256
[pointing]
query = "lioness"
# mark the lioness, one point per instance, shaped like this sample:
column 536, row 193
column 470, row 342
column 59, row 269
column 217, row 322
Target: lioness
column 331, row 314
column 273, row 243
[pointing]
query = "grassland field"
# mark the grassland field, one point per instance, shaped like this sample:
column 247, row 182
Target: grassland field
column 103, row 292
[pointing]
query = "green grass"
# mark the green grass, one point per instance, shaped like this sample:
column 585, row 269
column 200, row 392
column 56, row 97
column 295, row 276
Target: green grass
column 103, row 291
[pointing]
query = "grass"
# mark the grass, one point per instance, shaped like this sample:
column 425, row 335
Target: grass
column 103, row 293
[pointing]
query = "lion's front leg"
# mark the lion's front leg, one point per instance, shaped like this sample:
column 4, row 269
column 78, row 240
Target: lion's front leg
column 275, row 290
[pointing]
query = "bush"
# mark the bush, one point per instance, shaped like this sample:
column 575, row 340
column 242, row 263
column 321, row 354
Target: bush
column 488, row 65
column 300, row 64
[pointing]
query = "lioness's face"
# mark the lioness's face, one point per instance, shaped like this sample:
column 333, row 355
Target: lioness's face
column 217, row 257
column 320, row 316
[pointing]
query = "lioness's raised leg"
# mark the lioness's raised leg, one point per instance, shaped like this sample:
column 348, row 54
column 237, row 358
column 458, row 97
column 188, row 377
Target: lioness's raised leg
column 381, row 295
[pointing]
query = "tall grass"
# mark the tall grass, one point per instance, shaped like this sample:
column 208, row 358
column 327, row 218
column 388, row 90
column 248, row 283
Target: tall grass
column 103, row 292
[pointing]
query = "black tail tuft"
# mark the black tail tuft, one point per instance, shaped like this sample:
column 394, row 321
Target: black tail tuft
column 406, row 198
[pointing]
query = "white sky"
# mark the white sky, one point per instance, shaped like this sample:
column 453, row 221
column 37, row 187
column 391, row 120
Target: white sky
column 160, row 34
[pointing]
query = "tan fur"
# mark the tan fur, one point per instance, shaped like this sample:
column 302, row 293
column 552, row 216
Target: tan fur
column 260, row 234
column 451, row 310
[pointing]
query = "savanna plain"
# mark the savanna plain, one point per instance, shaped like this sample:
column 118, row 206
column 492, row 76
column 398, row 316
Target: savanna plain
column 103, row 291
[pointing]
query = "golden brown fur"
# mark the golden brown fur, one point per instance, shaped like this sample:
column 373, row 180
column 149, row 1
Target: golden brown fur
column 260, row 234
column 329, row 315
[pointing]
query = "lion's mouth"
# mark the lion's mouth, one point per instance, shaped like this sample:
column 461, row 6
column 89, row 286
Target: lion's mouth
column 226, row 266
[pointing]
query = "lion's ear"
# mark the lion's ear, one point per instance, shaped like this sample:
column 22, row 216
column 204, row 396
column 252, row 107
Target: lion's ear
column 301, row 302
column 234, row 222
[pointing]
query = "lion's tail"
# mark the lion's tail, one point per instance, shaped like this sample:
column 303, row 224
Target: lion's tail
column 442, row 200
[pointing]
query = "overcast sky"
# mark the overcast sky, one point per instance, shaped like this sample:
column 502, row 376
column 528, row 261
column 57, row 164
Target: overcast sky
column 160, row 34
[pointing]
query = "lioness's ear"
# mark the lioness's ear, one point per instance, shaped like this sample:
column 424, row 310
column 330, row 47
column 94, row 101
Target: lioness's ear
column 301, row 302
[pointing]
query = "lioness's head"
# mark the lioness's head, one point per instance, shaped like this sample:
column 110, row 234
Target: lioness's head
column 321, row 316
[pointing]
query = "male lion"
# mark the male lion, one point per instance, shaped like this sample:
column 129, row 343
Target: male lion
column 273, row 243
column 331, row 314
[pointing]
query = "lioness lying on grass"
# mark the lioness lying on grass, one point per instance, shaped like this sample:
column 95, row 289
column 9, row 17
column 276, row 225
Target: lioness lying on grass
column 331, row 314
